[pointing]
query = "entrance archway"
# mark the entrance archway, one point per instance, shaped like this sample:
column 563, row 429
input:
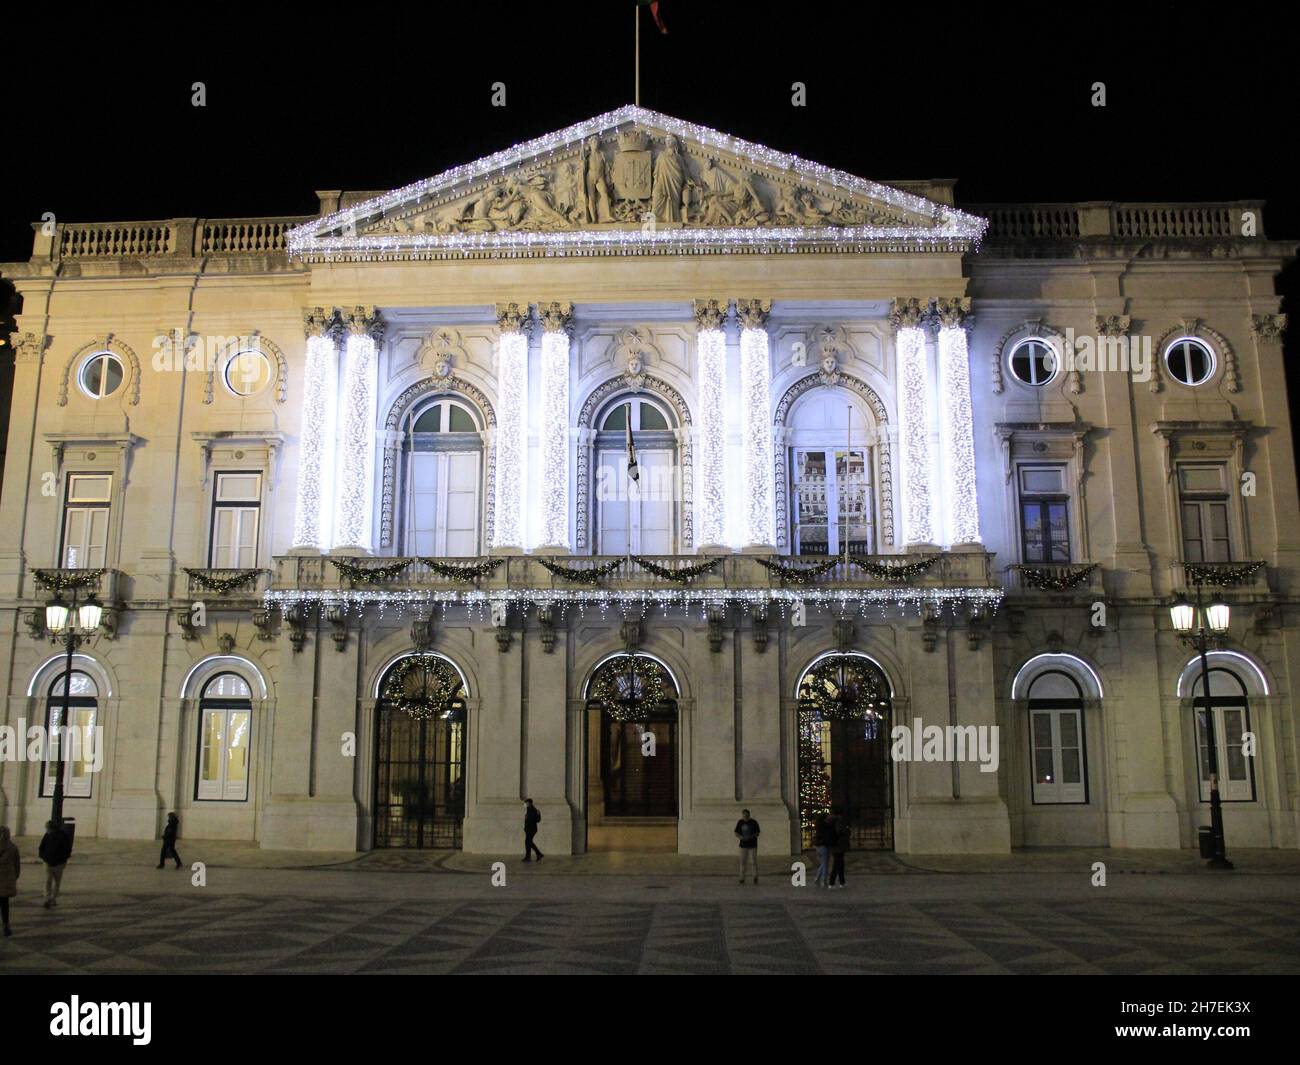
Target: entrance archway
column 420, row 757
column 845, row 719
column 632, row 753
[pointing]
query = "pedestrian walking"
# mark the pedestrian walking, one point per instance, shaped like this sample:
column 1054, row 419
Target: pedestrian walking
column 747, row 832
column 823, row 838
column 55, row 851
column 11, row 869
column 169, row 841
column 839, row 848
column 532, row 818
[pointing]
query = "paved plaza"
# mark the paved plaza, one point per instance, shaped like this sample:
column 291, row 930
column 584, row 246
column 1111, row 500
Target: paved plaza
column 430, row 912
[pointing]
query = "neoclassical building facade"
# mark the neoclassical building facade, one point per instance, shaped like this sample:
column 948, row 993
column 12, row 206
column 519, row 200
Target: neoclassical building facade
column 653, row 474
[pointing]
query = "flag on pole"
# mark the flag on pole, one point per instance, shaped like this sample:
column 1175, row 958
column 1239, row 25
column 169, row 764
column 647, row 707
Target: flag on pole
column 632, row 472
column 653, row 5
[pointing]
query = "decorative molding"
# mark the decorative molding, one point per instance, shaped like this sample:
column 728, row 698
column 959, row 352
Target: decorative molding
column 907, row 312
column 1025, row 330
column 512, row 318
column 439, row 351
column 834, row 345
column 1114, row 325
column 249, row 342
column 594, row 401
column 710, row 314
column 954, row 313
column 1266, row 328
column 450, row 385
column 108, row 342
column 28, row 347
column 1194, row 327
column 884, row 460
column 753, row 314
column 556, row 317
column 363, row 321
column 315, row 322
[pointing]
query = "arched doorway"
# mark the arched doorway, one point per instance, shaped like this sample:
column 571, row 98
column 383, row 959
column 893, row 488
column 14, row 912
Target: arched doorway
column 632, row 751
column 420, row 757
column 844, row 740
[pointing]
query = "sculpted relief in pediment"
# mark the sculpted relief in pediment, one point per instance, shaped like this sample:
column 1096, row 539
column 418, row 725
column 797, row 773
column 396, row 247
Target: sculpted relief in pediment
column 632, row 179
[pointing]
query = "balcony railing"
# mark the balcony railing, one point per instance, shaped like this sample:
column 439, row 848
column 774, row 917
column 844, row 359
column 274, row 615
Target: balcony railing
column 1067, row 222
column 181, row 238
column 1046, row 580
column 227, row 583
column 106, row 585
column 1240, row 577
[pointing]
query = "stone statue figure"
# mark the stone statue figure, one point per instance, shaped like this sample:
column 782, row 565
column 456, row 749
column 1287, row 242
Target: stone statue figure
column 539, row 209
column 715, row 185
column 596, row 182
column 669, row 182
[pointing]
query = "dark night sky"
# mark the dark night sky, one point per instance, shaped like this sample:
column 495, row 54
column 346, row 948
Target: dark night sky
column 1201, row 99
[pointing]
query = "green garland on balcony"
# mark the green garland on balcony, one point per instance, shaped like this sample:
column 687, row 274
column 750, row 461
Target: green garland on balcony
column 684, row 575
column 369, row 574
column 1041, row 578
column 60, row 580
column 1220, row 576
column 438, row 689
column 221, row 585
column 798, row 574
column 462, row 573
column 897, row 573
column 581, row 576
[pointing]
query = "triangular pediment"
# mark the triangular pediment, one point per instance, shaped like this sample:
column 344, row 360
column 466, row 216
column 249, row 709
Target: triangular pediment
column 634, row 181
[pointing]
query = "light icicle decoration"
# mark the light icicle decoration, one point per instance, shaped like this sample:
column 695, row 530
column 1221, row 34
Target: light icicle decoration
column 553, row 483
column 512, row 428
column 356, row 460
column 956, row 429
column 711, row 452
column 756, row 431
column 314, row 501
column 918, row 528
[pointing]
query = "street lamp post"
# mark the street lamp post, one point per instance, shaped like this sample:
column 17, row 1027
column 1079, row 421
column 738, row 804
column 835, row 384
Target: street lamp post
column 73, row 623
column 1206, row 619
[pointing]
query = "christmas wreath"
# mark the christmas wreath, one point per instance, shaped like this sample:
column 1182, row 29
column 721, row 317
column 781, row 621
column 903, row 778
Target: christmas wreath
column 843, row 688
column 424, row 686
column 629, row 688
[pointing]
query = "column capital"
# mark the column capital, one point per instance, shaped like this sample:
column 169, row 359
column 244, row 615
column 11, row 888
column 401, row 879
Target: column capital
column 752, row 314
column 1113, row 325
column 1267, row 328
column 363, row 322
column 907, row 312
column 954, row 313
column 555, row 316
column 315, row 322
column 513, row 317
column 710, row 314
column 28, row 347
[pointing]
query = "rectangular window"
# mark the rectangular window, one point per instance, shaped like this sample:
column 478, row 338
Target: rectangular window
column 1044, row 515
column 1236, row 781
column 79, row 757
column 832, row 501
column 223, row 754
column 236, row 503
column 1056, row 736
column 1203, row 502
column 85, row 521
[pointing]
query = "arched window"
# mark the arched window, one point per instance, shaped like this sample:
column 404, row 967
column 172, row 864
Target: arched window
column 831, row 455
column 444, row 462
column 635, row 515
column 1231, row 711
column 225, row 727
column 1056, row 739
column 82, row 754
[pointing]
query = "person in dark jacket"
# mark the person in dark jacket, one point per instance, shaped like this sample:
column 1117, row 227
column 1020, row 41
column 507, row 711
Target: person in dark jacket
column 11, row 868
column 823, row 838
column 839, row 848
column 55, row 851
column 747, row 831
column 169, row 841
column 532, row 818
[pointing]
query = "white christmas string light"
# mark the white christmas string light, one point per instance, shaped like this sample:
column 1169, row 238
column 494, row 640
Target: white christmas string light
column 553, row 486
column 314, row 503
column 915, row 432
column 511, row 439
column 711, row 450
column 957, row 438
column 755, row 389
column 353, row 503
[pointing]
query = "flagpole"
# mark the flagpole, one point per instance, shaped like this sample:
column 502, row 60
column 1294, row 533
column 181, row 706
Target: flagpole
column 636, row 13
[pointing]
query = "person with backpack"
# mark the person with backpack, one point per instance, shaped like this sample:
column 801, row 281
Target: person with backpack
column 823, row 838
column 170, row 833
column 532, row 818
column 839, row 848
column 55, row 851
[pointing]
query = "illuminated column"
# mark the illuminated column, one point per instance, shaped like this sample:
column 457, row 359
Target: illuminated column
column 512, row 429
column 711, row 429
column 553, row 429
column 314, row 503
column 353, row 503
column 956, row 429
column 756, row 426
column 914, row 407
